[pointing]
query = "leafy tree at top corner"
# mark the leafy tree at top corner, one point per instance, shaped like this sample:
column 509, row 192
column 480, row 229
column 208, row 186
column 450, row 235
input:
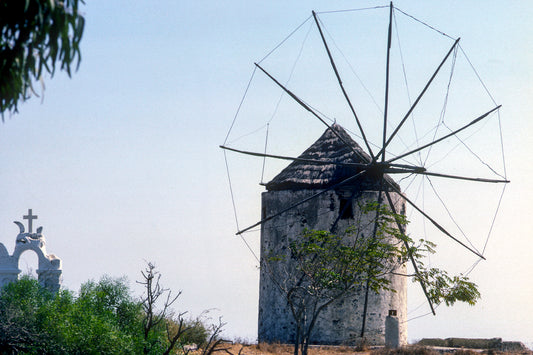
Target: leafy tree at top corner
column 34, row 36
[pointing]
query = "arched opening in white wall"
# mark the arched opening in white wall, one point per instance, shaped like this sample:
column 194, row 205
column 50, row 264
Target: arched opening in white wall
column 28, row 263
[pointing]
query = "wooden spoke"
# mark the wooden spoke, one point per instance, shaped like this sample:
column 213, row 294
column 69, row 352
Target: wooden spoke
column 422, row 171
column 305, row 106
column 386, row 106
column 374, row 232
column 345, row 181
column 465, row 178
column 417, row 272
column 439, row 227
column 303, row 160
column 386, row 167
column 342, row 87
column 446, row 136
column 382, row 151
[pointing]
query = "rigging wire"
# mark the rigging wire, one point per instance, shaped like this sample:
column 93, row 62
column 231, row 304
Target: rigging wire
column 357, row 135
column 424, row 219
column 235, row 208
column 494, row 218
column 264, row 158
column 479, row 78
column 463, row 143
column 322, row 114
column 406, row 84
column 443, row 114
column 412, row 146
column 423, row 23
column 472, row 267
column 421, row 316
column 420, row 190
column 293, row 68
column 400, row 138
column 247, row 134
column 494, row 102
column 407, row 146
column 450, row 151
column 450, row 214
column 501, row 146
column 405, row 178
column 284, row 40
column 251, row 79
column 281, row 97
column 422, row 304
column 466, row 273
column 474, row 153
column 351, row 67
column 353, row 10
column 231, row 190
column 445, row 103
column 240, row 104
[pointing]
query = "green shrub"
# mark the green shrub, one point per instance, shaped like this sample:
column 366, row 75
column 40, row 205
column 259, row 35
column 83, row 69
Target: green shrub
column 104, row 318
column 197, row 333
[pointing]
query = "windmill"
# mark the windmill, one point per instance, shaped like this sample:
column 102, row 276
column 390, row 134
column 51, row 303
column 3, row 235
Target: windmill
column 379, row 159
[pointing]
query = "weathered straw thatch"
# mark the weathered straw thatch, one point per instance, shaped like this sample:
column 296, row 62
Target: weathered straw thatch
column 330, row 148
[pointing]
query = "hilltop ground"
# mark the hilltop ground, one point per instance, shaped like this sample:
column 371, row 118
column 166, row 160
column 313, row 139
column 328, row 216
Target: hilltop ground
column 269, row 349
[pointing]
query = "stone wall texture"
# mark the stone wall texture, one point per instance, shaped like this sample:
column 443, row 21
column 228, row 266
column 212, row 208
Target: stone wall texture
column 341, row 322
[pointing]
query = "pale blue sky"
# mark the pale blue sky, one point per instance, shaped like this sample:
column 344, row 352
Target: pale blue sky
column 121, row 163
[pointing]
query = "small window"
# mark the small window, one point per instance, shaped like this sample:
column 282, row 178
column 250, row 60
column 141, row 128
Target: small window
column 345, row 210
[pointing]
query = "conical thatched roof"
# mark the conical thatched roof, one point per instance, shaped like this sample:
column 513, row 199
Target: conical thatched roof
column 329, row 147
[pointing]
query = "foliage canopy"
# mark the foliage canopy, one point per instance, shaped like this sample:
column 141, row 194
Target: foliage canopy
column 34, row 35
column 103, row 318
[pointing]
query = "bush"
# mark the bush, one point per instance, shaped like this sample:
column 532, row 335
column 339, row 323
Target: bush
column 21, row 305
column 104, row 318
column 197, row 333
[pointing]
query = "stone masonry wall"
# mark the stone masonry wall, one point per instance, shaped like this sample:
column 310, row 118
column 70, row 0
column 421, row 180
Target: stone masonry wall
column 341, row 322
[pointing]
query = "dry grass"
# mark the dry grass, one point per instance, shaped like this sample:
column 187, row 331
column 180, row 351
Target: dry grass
column 407, row 350
column 281, row 349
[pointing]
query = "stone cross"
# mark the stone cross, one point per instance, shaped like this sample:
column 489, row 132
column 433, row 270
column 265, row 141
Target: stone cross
column 30, row 217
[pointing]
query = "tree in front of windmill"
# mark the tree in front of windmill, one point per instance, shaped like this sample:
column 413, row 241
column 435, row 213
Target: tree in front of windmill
column 318, row 268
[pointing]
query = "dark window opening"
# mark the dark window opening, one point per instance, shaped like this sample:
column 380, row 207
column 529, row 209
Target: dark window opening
column 345, row 210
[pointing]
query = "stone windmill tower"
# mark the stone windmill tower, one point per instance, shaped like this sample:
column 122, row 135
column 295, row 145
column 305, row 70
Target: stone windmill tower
column 333, row 210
